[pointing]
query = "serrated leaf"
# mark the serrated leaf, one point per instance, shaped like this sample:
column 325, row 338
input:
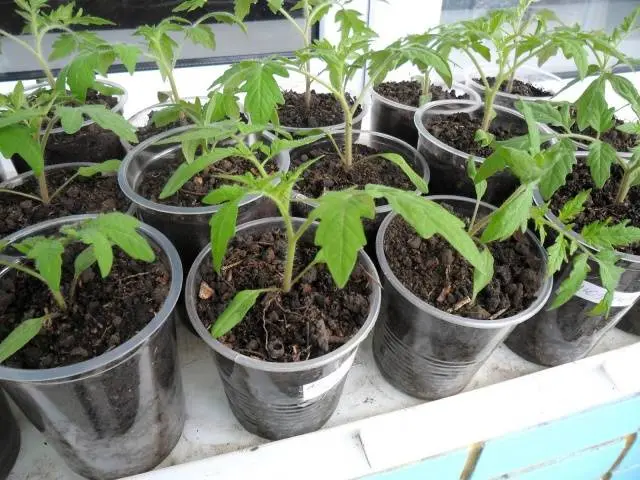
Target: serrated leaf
column 601, row 234
column 101, row 248
column 472, row 171
column 482, row 276
column 223, row 228
column 630, row 128
column 186, row 171
column 108, row 166
column 20, row 139
column 84, row 261
column 20, row 336
column 519, row 162
column 70, row 119
column 557, row 255
column 571, row 209
column 400, row 162
column 47, row 256
column 340, row 234
column 166, row 115
column 573, row 282
column 592, row 109
column 202, row 35
column 121, row 229
column 111, row 121
column 263, row 94
column 235, row 311
column 532, row 126
column 600, row 159
column 625, row 88
column 63, row 46
column 511, row 216
column 81, row 75
column 546, row 112
column 128, row 55
column 225, row 193
column 242, row 7
column 610, row 277
column 559, row 160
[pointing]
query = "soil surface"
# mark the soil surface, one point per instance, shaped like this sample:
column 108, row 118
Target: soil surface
column 524, row 89
column 329, row 172
column 458, row 130
column 314, row 318
column 621, row 141
column 190, row 195
column 150, row 129
column 602, row 203
column 408, row 92
column 325, row 110
column 97, row 194
column 433, row 271
column 104, row 314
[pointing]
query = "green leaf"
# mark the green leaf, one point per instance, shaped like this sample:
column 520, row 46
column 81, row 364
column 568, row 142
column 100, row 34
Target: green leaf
column 263, row 94
column 340, row 233
column 546, row 112
column 600, row 158
column 108, row 166
column 400, row 162
column 532, row 126
column 166, row 115
column 482, row 276
column 186, row 171
column 573, row 282
column 121, row 229
column 101, row 248
column 111, row 121
column 84, row 261
column 559, row 160
column 630, row 128
column 70, row 118
column 225, row 193
column 235, row 311
column 81, row 75
column 223, row 228
column 592, row 109
column 625, row 88
column 128, row 55
column 20, row 336
column 20, row 139
column 557, row 255
column 610, row 277
column 202, row 35
column 242, row 8
column 511, row 216
column 519, row 161
column 63, row 46
column 481, row 186
column 571, row 209
column 47, row 256
column 601, row 234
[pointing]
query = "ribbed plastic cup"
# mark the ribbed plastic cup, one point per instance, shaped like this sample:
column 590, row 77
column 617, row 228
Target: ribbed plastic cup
column 9, row 438
column 396, row 119
column 448, row 165
column 570, row 332
column 117, row 414
column 280, row 400
column 526, row 73
column 426, row 352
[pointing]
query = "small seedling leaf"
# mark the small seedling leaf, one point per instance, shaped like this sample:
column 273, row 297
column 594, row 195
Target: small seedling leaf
column 573, row 282
column 223, row 228
column 235, row 311
column 400, row 162
column 108, row 166
column 20, row 336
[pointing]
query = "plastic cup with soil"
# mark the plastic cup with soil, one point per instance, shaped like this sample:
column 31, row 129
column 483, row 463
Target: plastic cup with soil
column 570, row 332
column 9, row 438
column 95, row 194
column 183, row 217
column 530, row 84
column 431, row 338
column 394, row 105
column 90, row 143
column 447, row 131
column 101, row 381
column 284, row 366
column 330, row 173
column 325, row 113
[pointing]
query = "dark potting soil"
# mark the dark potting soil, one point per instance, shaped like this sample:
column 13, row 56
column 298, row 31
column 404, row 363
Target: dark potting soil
column 314, row 318
column 150, row 129
column 97, row 194
column 104, row 313
column 458, row 130
column 329, row 173
column 433, row 271
column 324, row 112
column 408, row 92
column 524, row 89
column 602, row 203
column 190, row 195
column 621, row 141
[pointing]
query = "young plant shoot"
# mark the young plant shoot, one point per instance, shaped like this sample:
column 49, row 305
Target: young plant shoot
column 545, row 169
column 42, row 258
column 25, row 127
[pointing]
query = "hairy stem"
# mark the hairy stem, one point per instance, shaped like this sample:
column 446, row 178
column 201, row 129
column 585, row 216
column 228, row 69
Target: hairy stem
column 625, row 184
column 37, row 53
column 348, row 132
column 488, row 108
column 475, row 215
column 44, row 189
column 287, row 282
column 63, row 186
column 174, row 87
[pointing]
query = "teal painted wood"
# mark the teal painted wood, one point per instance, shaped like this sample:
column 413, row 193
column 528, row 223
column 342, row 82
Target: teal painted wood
column 633, row 474
column 559, row 438
column 589, row 464
column 441, row 467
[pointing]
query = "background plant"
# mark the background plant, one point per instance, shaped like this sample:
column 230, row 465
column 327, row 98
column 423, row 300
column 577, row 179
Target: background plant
column 42, row 259
column 25, row 128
